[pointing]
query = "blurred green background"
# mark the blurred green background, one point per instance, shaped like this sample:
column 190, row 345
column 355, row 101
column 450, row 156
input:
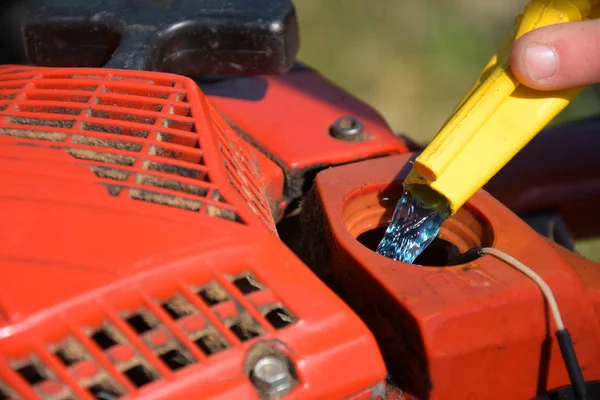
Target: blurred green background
column 413, row 60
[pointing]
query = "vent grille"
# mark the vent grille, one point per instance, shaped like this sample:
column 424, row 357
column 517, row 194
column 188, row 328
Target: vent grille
column 84, row 370
column 240, row 174
column 42, row 379
column 123, row 356
column 136, row 346
column 143, row 139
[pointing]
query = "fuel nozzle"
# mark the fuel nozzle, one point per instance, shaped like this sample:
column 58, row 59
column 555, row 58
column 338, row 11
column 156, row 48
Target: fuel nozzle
column 497, row 117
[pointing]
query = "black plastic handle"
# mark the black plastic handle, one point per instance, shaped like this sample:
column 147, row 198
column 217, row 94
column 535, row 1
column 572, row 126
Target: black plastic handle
column 187, row 37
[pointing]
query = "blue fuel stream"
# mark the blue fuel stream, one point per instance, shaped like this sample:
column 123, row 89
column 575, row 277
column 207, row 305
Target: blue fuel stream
column 413, row 227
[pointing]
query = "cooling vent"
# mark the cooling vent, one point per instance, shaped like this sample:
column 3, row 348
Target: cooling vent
column 135, row 347
column 240, row 174
column 41, row 379
column 143, row 136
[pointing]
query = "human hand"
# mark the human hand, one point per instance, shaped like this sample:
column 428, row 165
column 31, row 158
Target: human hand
column 558, row 56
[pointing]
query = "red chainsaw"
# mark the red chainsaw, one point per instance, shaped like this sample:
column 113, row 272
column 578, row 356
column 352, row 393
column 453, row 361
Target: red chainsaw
column 188, row 212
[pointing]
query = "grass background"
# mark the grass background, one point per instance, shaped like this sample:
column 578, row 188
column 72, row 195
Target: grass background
column 413, row 60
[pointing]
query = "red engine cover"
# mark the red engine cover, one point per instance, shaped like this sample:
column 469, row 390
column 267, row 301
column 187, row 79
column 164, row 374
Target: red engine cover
column 138, row 254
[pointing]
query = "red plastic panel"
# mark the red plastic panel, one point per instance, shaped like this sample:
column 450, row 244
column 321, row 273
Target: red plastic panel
column 140, row 260
column 182, row 329
column 291, row 122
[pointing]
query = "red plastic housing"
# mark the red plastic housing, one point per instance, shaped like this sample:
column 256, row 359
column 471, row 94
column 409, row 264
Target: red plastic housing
column 138, row 254
column 478, row 330
column 289, row 117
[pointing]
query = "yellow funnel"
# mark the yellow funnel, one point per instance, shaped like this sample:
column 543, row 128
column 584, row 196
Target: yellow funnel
column 497, row 118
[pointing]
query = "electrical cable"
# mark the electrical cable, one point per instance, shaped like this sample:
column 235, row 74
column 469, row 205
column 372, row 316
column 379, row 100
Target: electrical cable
column 562, row 334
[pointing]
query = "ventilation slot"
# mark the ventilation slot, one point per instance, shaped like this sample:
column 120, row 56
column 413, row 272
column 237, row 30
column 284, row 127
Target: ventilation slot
column 247, row 283
column 219, row 197
column 211, row 342
column 85, row 371
column 176, row 358
column 178, row 307
column 138, row 91
column 142, row 322
column 182, row 155
column 105, row 390
column 50, row 109
column 140, row 374
column 122, row 117
column 280, row 317
column 224, row 213
column 213, row 294
column 158, row 198
column 245, row 327
column 41, row 379
column 178, row 110
column 186, row 139
column 122, row 355
column 208, row 339
column 110, row 173
column 67, row 98
column 105, row 337
column 34, row 135
column 130, row 103
column 159, row 339
column 240, row 174
column 170, row 184
column 187, row 126
column 66, row 85
column 109, row 158
column 33, row 372
column 164, row 137
column 115, row 130
column 107, row 143
column 113, row 190
column 174, row 170
column 54, row 123
column 70, row 353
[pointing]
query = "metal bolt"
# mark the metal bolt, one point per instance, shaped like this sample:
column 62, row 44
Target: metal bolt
column 272, row 376
column 348, row 128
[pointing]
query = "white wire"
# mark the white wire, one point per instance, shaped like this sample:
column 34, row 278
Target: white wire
column 535, row 277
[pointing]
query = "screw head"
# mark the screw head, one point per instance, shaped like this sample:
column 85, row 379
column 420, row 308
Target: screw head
column 348, row 128
column 272, row 376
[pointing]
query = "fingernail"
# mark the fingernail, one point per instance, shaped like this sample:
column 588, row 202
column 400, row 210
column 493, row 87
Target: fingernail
column 541, row 62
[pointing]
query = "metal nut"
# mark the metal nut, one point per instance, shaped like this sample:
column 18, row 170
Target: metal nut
column 349, row 129
column 272, row 376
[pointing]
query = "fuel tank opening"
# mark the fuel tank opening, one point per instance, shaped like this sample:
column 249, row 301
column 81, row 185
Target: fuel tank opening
column 367, row 213
column 440, row 253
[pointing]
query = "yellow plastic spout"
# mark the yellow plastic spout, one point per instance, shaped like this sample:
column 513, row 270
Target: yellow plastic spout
column 497, row 117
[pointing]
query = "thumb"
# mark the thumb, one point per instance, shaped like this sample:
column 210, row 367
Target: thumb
column 558, row 56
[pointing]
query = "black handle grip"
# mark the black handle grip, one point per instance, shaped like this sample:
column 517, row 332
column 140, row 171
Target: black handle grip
column 186, row 37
